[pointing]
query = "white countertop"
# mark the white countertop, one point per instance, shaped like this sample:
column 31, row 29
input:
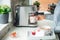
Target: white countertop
column 3, row 26
column 21, row 33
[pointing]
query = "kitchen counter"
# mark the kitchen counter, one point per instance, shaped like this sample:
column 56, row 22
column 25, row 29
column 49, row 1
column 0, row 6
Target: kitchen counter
column 21, row 33
column 4, row 28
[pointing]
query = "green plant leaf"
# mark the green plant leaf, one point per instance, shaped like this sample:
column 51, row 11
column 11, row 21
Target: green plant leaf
column 36, row 3
column 4, row 9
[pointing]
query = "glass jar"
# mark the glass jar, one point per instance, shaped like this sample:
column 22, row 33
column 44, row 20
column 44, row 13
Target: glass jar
column 32, row 18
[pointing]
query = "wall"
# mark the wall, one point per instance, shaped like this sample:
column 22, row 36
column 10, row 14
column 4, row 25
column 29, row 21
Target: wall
column 8, row 2
column 31, row 2
column 44, row 4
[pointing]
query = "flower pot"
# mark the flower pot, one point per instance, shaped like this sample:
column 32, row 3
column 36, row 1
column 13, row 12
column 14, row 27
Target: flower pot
column 4, row 18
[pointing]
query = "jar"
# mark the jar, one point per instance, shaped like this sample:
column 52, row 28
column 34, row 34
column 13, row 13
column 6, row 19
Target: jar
column 32, row 18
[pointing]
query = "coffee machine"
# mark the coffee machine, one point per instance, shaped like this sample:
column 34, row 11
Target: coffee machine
column 23, row 15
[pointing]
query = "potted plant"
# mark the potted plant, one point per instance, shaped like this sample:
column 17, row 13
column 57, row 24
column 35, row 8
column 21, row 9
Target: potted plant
column 37, row 4
column 4, row 13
